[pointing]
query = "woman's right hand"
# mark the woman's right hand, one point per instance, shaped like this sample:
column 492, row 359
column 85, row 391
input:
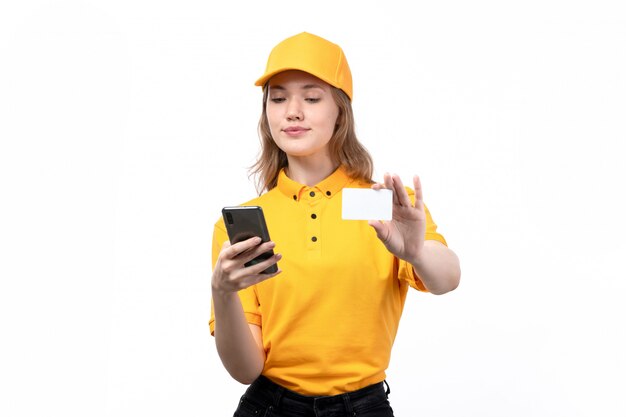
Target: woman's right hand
column 231, row 275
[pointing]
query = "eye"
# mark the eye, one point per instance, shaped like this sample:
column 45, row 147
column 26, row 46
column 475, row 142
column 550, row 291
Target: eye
column 277, row 99
column 312, row 100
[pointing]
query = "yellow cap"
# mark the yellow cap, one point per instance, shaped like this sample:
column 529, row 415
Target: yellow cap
column 312, row 54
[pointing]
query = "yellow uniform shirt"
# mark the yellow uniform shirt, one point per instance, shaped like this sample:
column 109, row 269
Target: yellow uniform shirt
column 330, row 318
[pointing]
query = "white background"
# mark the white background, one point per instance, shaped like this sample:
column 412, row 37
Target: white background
column 125, row 126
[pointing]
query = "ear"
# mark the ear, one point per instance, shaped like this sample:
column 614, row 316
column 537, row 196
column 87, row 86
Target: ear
column 339, row 119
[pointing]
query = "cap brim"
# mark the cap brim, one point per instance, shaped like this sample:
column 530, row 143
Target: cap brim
column 266, row 77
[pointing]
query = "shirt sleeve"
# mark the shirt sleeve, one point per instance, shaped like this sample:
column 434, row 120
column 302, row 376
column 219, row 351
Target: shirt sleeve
column 405, row 269
column 248, row 296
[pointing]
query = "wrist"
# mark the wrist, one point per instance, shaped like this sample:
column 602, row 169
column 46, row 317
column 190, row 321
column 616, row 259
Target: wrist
column 417, row 259
column 221, row 294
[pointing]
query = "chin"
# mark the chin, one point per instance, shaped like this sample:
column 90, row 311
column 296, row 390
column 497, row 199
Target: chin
column 296, row 151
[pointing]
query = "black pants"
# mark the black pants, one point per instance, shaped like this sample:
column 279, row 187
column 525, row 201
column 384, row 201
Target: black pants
column 267, row 399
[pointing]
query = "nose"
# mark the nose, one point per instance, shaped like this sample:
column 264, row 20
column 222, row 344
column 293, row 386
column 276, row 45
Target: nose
column 294, row 111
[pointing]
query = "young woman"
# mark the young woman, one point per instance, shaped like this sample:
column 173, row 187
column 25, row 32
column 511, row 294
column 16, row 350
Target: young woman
column 315, row 337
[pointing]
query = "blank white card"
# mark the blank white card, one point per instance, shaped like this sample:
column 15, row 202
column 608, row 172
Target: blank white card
column 366, row 204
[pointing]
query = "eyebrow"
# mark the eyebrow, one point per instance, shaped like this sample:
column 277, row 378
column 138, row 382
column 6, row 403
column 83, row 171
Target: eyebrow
column 304, row 87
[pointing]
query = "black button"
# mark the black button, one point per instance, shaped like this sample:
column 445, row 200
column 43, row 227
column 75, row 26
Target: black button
column 327, row 192
column 314, row 239
column 312, row 193
column 295, row 197
column 314, row 216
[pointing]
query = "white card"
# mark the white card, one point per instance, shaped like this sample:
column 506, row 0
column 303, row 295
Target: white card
column 366, row 204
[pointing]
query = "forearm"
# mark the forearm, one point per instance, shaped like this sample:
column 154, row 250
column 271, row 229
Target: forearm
column 240, row 353
column 437, row 267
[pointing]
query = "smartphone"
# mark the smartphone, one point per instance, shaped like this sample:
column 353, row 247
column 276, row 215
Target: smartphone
column 244, row 222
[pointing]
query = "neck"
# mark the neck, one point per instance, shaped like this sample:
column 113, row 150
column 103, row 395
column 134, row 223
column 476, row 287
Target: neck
column 309, row 171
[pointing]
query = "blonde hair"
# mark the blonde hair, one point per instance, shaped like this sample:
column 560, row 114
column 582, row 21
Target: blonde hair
column 345, row 148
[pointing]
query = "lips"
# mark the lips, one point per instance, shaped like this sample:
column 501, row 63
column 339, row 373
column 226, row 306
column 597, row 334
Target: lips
column 295, row 131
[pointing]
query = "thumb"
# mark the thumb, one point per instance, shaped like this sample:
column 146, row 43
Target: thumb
column 380, row 228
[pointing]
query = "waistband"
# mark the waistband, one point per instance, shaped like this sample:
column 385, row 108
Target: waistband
column 279, row 396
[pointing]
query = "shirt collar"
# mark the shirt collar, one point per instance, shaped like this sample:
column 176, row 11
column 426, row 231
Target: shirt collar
column 328, row 187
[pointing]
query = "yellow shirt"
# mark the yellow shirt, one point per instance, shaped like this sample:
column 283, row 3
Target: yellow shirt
column 330, row 318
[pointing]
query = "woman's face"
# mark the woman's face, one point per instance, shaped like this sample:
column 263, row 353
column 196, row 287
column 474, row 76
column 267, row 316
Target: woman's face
column 301, row 113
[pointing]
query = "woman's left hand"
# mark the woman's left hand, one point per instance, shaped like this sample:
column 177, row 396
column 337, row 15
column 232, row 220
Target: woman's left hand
column 403, row 236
